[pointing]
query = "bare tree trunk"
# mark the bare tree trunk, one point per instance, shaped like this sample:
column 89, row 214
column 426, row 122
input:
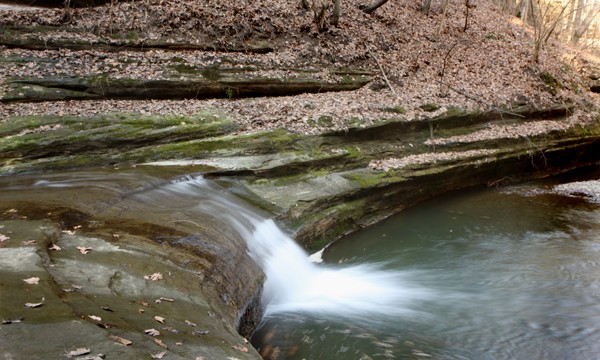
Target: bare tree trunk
column 426, row 7
column 444, row 12
column 369, row 9
column 335, row 17
column 467, row 6
column 580, row 27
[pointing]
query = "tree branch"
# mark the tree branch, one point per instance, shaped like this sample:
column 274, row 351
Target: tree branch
column 370, row 8
column 381, row 68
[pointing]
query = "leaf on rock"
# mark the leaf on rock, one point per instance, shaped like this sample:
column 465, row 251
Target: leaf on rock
column 152, row 332
column 78, row 352
column 160, row 319
column 54, row 247
column 154, row 277
column 3, row 238
column 187, row 322
column 240, row 348
column 160, row 343
column 121, row 340
column 29, row 242
column 160, row 355
column 95, row 318
column 32, row 280
column 35, row 305
column 84, row 250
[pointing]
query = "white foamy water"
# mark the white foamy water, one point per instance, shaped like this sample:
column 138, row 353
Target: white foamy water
column 294, row 283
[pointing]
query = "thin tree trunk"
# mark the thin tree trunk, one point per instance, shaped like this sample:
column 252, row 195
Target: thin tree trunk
column 337, row 11
column 426, row 7
column 369, row 9
column 444, row 12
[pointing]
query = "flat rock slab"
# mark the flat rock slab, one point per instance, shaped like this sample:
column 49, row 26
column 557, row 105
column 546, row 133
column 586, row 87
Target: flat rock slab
column 104, row 296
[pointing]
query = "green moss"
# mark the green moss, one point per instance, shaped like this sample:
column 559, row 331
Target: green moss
column 185, row 69
column 395, row 110
column 429, row 107
column 552, row 84
column 367, row 179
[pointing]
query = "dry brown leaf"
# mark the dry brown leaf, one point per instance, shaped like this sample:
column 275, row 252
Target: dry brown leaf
column 121, row 340
column 29, row 242
column 35, row 305
column 166, row 299
column 54, row 247
column 160, row 355
column 95, row 318
column 69, row 232
column 187, row 322
column 84, row 250
column 152, row 332
column 160, row 343
column 154, row 277
column 160, row 319
column 78, row 352
column 3, row 238
column 32, row 280
column 240, row 348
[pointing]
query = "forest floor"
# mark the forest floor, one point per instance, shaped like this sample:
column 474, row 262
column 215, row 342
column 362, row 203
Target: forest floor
column 475, row 58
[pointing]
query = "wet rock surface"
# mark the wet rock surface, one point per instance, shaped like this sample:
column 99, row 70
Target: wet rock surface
column 72, row 280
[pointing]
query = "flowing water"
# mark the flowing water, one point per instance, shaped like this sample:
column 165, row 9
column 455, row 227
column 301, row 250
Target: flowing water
column 509, row 273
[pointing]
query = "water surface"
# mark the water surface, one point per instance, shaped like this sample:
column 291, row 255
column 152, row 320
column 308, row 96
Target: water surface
column 509, row 273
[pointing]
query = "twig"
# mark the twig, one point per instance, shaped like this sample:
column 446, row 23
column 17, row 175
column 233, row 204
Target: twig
column 381, row 69
column 481, row 101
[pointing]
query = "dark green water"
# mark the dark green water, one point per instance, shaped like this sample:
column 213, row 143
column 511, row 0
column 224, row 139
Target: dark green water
column 512, row 273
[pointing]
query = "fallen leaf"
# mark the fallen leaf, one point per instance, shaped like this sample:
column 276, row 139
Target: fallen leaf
column 106, row 308
column 54, row 247
column 160, row 343
column 93, row 357
column 32, row 280
column 78, row 352
column 187, row 322
column 84, row 250
column 160, row 355
column 179, row 343
column 95, row 318
column 29, row 242
column 240, row 348
column 166, row 299
column 69, row 232
column 200, row 332
column 3, row 238
column 141, row 311
column 160, row 319
column 154, row 277
column 35, row 305
column 12, row 321
column 121, row 340
column 152, row 332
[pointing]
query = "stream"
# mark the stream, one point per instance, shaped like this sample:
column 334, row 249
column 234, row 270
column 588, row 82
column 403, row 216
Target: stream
column 503, row 273
column 498, row 273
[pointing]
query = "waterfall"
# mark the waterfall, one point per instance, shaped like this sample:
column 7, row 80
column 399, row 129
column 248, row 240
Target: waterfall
column 293, row 282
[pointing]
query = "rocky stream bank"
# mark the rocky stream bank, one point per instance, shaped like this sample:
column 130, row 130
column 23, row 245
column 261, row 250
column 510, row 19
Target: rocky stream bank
column 98, row 275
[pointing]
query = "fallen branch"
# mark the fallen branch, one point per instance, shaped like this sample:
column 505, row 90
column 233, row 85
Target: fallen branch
column 381, row 69
column 479, row 101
